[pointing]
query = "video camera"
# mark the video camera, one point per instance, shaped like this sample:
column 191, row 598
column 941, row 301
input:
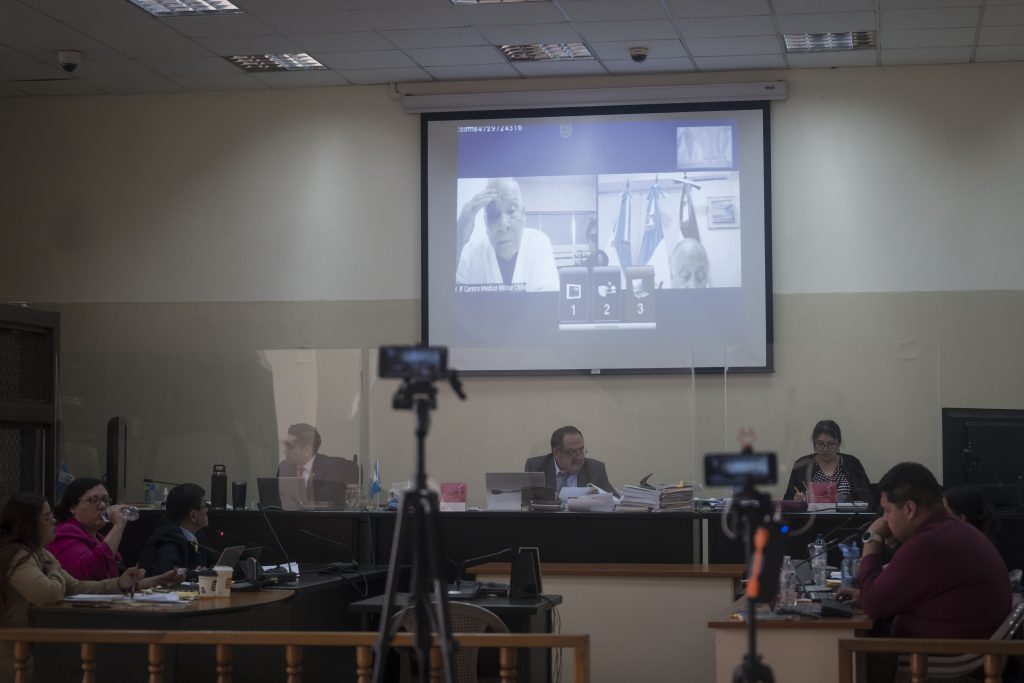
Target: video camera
column 740, row 469
column 413, row 363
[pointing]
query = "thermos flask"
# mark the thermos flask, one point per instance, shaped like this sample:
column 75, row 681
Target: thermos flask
column 219, row 487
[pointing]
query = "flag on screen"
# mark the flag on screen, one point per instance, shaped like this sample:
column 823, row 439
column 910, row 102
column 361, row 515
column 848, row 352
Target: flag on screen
column 375, row 483
column 687, row 216
column 620, row 237
column 653, row 232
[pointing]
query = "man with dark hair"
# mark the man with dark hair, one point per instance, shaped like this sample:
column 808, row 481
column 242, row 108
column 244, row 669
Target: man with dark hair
column 174, row 543
column 945, row 580
column 326, row 477
column 568, row 465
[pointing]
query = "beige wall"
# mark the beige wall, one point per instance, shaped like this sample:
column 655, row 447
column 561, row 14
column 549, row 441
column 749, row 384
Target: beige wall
column 182, row 236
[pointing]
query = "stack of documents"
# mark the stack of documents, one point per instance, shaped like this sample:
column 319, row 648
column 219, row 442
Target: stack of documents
column 639, row 499
column 676, row 496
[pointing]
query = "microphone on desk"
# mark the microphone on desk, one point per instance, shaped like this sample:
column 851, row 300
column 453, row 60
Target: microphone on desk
column 159, row 481
column 335, row 566
column 288, row 575
column 498, row 492
column 473, row 561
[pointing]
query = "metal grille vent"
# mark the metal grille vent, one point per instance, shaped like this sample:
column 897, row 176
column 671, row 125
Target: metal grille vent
column 10, row 462
column 25, row 372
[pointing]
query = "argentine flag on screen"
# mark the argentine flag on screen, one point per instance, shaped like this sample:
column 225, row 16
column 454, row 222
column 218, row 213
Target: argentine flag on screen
column 375, row 483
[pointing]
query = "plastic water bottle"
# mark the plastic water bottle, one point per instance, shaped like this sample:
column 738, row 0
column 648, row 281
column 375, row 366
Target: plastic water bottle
column 851, row 560
column 130, row 513
column 787, row 583
column 819, row 561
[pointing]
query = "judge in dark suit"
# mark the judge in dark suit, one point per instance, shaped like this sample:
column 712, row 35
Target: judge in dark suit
column 568, row 465
column 326, row 477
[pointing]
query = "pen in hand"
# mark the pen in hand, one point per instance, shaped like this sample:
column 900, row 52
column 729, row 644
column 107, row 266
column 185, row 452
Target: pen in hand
column 135, row 582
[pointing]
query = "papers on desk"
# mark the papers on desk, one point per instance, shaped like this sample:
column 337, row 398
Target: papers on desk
column 293, row 567
column 661, row 497
column 96, row 597
column 156, row 597
column 595, row 502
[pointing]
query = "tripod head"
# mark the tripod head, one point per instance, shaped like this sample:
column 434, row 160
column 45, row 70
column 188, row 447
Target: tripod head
column 419, row 367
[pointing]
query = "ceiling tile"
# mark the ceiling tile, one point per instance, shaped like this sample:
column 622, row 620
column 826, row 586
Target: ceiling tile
column 438, row 37
column 612, row 10
column 628, row 66
column 472, row 71
column 373, row 76
column 371, row 4
column 191, row 66
column 1009, row 15
column 70, row 86
column 299, row 79
column 137, row 85
column 717, row 8
column 585, row 67
column 659, row 49
column 748, row 45
column 740, row 63
column 62, row 10
column 237, row 81
column 16, row 33
column 803, row 6
column 454, row 56
column 939, row 17
column 727, row 26
column 342, row 42
column 315, row 22
column 415, row 18
column 1000, row 53
column 24, row 71
column 927, row 37
column 510, row 15
column 285, row 6
column 248, row 45
column 1008, row 35
column 927, row 55
column 823, row 23
column 829, row 60
column 112, row 68
column 159, row 47
column 921, row 4
column 374, row 59
column 530, row 33
column 648, row 29
column 8, row 90
column 222, row 25
column 9, row 54
column 47, row 51
column 136, row 28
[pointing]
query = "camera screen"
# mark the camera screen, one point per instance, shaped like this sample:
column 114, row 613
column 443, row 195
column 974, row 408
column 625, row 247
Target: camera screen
column 413, row 362
column 738, row 469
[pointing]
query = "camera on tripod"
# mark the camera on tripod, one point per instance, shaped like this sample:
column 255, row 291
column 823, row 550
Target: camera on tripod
column 740, row 469
column 413, row 363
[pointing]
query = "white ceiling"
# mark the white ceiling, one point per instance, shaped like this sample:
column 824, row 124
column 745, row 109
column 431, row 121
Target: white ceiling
column 388, row 41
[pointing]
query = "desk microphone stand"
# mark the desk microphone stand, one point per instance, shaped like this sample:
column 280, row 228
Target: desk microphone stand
column 420, row 508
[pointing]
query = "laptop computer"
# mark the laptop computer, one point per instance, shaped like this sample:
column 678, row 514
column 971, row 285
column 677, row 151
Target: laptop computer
column 229, row 556
column 505, row 489
column 281, row 493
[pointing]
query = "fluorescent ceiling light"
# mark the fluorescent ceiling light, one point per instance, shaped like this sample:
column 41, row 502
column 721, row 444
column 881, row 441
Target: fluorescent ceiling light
column 185, row 8
column 829, row 42
column 286, row 62
column 545, row 52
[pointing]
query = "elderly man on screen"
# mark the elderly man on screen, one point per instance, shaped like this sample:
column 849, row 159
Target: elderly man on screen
column 512, row 254
column 568, row 465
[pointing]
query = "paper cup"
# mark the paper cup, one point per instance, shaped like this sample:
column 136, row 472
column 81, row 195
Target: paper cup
column 223, row 587
column 208, row 581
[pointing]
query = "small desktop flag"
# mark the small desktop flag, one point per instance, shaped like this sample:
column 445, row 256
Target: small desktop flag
column 375, row 484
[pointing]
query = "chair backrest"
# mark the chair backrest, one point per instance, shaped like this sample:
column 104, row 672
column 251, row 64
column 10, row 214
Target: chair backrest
column 465, row 618
column 956, row 666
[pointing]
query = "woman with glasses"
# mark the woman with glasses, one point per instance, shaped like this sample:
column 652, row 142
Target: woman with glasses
column 31, row 575
column 827, row 464
column 83, row 551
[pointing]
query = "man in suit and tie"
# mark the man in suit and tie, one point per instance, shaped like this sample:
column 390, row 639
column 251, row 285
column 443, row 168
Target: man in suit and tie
column 326, row 477
column 173, row 544
column 568, row 465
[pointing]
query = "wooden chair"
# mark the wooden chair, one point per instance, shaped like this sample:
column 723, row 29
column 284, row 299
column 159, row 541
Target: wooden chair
column 465, row 618
column 953, row 667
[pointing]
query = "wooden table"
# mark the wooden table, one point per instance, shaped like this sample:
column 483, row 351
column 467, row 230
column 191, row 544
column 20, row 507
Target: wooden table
column 798, row 650
column 646, row 621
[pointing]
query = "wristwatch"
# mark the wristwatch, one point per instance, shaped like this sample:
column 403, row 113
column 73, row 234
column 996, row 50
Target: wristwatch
column 870, row 536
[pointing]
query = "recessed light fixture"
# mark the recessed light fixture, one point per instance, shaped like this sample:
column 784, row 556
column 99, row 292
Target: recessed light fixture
column 829, row 42
column 186, row 8
column 287, row 62
column 545, row 52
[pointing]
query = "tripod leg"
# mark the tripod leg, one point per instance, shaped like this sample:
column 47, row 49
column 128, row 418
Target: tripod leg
column 386, row 632
column 442, row 614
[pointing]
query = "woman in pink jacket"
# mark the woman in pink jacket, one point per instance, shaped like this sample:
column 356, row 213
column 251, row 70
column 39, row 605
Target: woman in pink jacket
column 82, row 550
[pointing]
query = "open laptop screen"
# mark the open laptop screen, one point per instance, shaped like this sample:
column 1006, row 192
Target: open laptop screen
column 505, row 489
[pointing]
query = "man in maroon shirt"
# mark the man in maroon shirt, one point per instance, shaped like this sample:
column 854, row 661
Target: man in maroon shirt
column 945, row 580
